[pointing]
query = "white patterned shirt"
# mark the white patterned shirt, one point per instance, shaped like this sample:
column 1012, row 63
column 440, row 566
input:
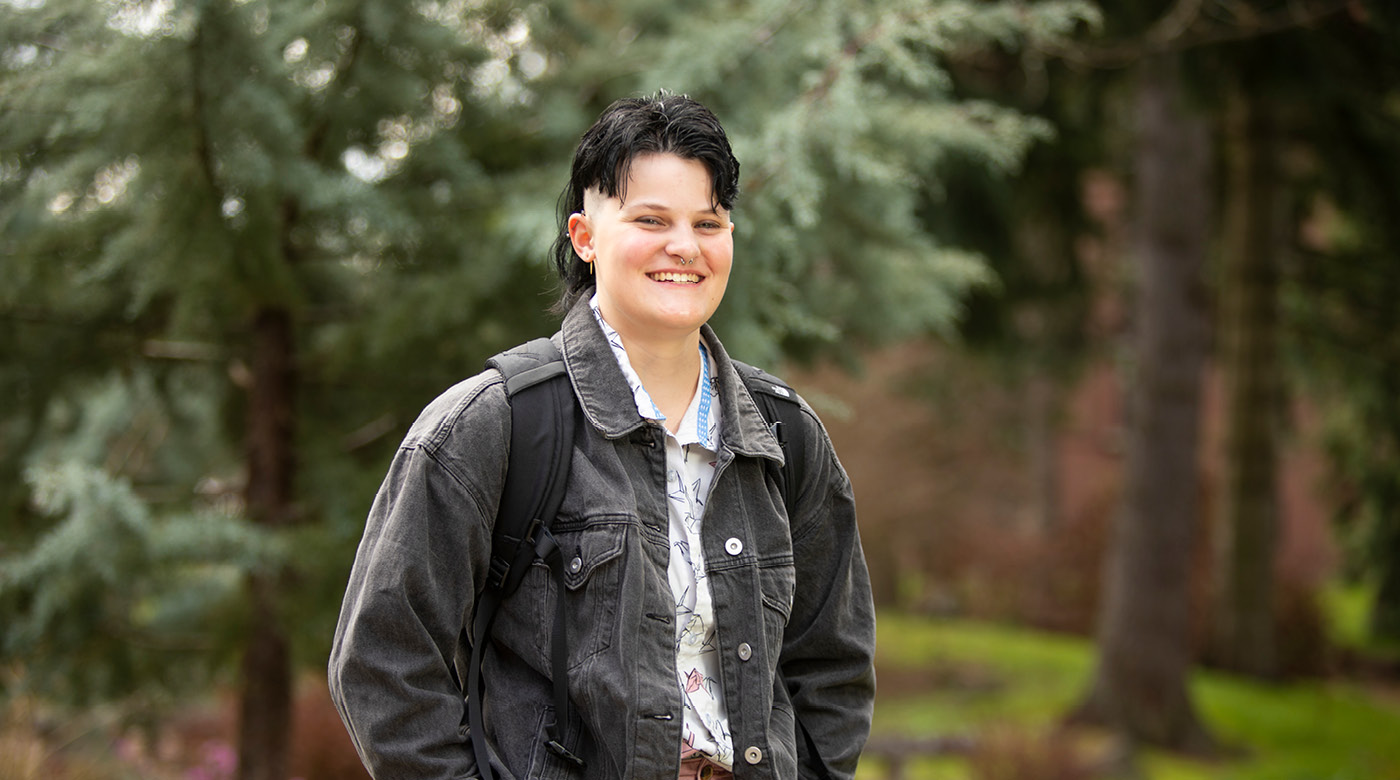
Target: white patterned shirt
column 691, row 453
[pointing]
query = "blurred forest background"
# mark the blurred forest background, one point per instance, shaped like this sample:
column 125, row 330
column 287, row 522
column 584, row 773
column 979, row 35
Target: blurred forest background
column 1099, row 302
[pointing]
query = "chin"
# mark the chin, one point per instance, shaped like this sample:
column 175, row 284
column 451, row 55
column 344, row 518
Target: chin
column 685, row 321
column 679, row 327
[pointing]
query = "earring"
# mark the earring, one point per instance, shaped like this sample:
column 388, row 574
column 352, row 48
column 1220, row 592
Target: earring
column 590, row 268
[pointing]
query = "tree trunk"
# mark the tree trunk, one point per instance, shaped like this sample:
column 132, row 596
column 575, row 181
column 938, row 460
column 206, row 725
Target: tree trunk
column 264, row 718
column 1247, row 525
column 1139, row 686
column 1384, row 492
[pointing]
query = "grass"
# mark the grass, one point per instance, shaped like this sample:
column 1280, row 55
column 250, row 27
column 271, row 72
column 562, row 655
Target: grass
column 942, row 677
column 1347, row 607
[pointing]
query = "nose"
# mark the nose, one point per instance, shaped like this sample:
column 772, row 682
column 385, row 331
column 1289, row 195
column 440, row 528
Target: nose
column 683, row 244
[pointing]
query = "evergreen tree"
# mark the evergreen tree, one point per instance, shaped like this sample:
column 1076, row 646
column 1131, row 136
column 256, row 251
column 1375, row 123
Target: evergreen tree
column 1339, row 293
column 1247, row 523
column 268, row 195
column 286, row 226
column 1139, row 682
column 845, row 117
column 1033, row 326
column 1272, row 80
column 1272, row 74
column 1144, row 655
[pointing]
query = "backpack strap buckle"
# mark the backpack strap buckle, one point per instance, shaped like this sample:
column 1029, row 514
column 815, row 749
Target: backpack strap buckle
column 498, row 575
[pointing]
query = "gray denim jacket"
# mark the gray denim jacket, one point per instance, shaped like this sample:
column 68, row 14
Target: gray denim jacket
column 792, row 596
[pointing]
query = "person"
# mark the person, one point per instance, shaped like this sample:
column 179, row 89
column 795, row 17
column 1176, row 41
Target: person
column 710, row 630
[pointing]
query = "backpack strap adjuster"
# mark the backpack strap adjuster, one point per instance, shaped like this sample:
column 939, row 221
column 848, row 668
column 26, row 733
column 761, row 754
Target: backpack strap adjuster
column 563, row 752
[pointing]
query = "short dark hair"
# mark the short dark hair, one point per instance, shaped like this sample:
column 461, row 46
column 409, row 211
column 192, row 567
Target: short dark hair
column 659, row 124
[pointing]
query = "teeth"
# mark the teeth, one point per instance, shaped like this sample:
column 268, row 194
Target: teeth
column 668, row 276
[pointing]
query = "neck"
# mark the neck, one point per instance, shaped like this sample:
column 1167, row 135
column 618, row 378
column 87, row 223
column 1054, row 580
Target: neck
column 669, row 370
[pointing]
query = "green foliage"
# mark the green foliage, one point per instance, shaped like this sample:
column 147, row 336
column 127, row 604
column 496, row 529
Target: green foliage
column 387, row 175
column 111, row 598
column 979, row 675
column 981, row 678
column 166, row 171
column 843, row 116
column 1318, row 729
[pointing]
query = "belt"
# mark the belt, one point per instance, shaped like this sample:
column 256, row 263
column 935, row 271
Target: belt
column 702, row 768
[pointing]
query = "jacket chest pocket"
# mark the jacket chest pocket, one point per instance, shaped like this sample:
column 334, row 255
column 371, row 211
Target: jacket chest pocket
column 591, row 566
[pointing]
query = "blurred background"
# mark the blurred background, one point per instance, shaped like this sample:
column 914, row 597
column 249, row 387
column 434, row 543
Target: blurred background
column 1097, row 301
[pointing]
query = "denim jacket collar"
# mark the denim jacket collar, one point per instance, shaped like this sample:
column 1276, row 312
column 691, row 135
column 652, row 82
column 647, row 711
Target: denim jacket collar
column 607, row 400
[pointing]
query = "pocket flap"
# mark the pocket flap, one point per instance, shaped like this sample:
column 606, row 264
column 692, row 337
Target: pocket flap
column 585, row 550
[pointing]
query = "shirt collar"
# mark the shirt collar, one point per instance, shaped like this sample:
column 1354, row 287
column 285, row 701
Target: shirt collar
column 700, row 423
column 603, row 393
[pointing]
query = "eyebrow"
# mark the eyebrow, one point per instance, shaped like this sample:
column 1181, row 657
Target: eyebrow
column 648, row 205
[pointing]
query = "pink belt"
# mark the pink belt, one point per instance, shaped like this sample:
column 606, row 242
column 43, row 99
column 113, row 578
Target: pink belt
column 701, row 768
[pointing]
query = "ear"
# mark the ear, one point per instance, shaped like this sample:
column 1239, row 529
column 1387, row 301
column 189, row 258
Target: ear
column 581, row 235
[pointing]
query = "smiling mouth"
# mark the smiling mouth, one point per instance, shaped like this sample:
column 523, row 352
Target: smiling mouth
column 678, row 278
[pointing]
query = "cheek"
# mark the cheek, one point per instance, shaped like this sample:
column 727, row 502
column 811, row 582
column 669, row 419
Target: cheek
column 724, row 261
column 721, row 266
column 637, row 249
column 721, row 252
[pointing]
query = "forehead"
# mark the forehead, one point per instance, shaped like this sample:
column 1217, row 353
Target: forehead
column 662, row 179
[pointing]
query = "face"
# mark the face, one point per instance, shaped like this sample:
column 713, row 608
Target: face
column 661, row 252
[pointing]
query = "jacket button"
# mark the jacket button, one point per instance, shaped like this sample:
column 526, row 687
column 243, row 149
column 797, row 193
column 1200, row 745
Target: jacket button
column 745, row 652
column 733, row 546
column 753, row 755
column 576, row 565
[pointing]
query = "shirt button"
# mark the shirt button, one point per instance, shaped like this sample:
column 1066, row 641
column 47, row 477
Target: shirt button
column 745, row 652
column 576, row 565
column 753, row 755
column 733, row 546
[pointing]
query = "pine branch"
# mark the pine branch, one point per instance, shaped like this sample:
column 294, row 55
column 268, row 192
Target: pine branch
column 289, row 211
column 156, row 642
column 849, row 52
column 370, row 432
column 316, row 139
column 815, row 93
column 34, row 315
column 203, row 146
column 192, row 351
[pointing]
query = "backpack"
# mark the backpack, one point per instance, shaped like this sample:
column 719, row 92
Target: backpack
column 544, row 415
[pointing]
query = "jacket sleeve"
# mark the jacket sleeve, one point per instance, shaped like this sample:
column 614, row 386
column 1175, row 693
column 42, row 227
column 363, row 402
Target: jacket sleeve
column 828, row 651
column 419, row 565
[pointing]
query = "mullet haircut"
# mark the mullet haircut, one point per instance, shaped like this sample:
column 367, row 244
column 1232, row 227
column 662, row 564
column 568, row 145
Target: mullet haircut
column 626, row 130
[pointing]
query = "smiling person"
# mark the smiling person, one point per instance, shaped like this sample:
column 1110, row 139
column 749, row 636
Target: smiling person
column 718, row 620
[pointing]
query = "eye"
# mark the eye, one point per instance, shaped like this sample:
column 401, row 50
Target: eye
column 649, row 220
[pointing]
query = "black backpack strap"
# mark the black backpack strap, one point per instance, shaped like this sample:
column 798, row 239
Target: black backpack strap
column 778, row 404
column 541, row 444
column 543, row 414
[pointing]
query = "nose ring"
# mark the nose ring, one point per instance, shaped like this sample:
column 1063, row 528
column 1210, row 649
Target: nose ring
column 688, row 262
